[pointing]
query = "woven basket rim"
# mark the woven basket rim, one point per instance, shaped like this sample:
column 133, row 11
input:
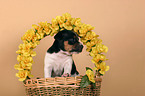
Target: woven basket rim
column 56, row 82
column 61, row 86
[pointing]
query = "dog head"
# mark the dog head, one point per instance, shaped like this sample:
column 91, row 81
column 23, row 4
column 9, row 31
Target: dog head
column 68, row 41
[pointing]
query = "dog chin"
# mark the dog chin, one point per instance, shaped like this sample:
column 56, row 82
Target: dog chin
column 75, row 52
column 69, row 53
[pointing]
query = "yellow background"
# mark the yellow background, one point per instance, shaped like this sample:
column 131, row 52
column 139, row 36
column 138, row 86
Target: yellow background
column 120, row 24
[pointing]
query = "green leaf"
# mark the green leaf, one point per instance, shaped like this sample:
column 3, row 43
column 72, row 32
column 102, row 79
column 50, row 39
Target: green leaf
column 36, row 30
column 93, row 85
column 73, row 26
column 85, row 81
column 87, row 68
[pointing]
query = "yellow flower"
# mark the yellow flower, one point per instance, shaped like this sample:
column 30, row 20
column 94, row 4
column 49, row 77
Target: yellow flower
column 89, row 27
column 43, row 24
column 98, row 57
column 92, row 43
column 99, row 48
column 68, row 27
column 18, row 67
column 22, row 74
column 76, row 29
column 20, row 49
column 38, row 37
column 31, row 36
column 23, row 66
column 53, row 32
column 29, row 53
column 26, row 46
column 89, row 45
column 28, row 35
column 94, row 52
column 54, row 22
column 35, row 42
column 63, row 21
column 54, row 29
column 84, row 29
column 24, row 58
column 66, row 16
column 97, row 66
column 26, row 65
column 36, row 27
column 90, row 75
column 90, row 35
column 103, row 68
column 46, row 28
column 83, row 40
column 32, row 53
column 41, row 33
column 60, row 20
column 25, row 62
column 104, row 49
column 26, row 49
column 76, row 22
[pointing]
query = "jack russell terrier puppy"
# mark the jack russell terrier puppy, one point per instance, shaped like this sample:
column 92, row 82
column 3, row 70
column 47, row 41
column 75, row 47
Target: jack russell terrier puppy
column 58, row 59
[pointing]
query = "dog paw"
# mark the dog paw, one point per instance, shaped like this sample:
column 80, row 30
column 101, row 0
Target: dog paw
column 66, row 75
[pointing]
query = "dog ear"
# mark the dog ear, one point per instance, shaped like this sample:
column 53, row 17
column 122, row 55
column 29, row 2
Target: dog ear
column 58, row 36
column 61, row 35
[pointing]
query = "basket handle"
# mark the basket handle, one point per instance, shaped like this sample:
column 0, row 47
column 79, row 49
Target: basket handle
column 26, row 79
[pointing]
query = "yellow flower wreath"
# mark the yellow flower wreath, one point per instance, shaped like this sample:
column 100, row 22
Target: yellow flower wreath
column 33, row 36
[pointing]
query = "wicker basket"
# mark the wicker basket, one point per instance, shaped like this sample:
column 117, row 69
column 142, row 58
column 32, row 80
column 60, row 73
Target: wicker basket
column 60, row 86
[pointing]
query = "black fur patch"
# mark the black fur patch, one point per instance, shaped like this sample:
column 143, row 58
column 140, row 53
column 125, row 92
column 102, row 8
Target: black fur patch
column 60, row 37
column 74, row 70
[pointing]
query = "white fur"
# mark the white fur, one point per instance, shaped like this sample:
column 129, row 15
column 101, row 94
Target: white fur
column 56, row 62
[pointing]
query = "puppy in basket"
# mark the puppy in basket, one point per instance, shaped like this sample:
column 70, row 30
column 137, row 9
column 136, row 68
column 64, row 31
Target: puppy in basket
column 58, row 59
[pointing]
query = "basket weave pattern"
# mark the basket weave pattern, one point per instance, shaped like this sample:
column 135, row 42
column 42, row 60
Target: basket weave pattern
column 60, row 86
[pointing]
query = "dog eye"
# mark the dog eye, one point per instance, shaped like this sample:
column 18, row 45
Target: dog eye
column 72, row 41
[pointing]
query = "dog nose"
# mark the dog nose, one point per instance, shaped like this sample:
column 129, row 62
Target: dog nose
column 81, row 47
